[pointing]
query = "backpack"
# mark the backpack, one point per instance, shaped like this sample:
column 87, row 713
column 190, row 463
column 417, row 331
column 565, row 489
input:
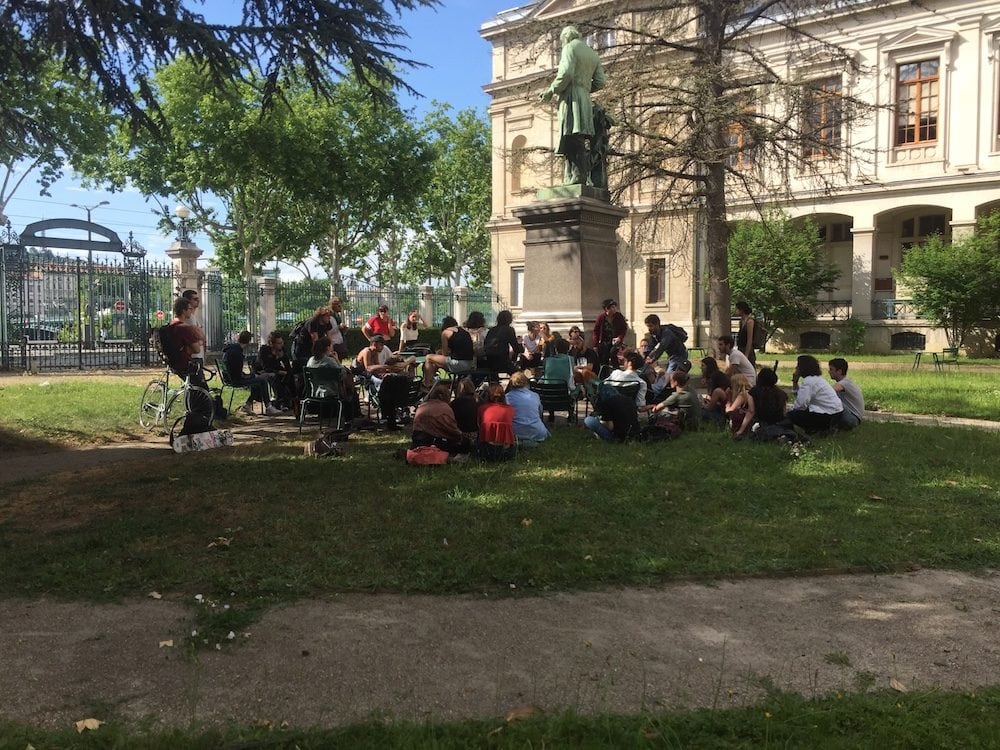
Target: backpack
column 301, row 340
column 678, row 332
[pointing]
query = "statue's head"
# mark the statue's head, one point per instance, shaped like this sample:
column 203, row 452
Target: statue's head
column 568, row 34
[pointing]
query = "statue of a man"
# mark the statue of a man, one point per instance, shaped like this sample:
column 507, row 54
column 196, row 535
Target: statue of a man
column 580, row 72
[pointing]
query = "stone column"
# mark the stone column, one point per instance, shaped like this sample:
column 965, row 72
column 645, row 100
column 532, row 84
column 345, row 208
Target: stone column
column 460, row 306
column 861, row 272
column 427, row 304
column 268, row 313
column 570, row 259
column 184, row 256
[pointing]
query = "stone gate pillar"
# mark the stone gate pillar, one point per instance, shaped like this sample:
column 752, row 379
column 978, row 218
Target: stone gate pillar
column 460, row 305
column 267, row 309
column 184, row 256
column 427, row 304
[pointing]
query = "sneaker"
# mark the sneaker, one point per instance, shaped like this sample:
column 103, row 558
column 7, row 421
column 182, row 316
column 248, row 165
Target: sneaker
column 272, row 411
column 246, row 409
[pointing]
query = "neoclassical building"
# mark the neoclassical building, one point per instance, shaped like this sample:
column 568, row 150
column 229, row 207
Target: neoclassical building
column 931, row 73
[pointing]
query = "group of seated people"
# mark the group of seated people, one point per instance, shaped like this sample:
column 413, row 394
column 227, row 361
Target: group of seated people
column 491, row 422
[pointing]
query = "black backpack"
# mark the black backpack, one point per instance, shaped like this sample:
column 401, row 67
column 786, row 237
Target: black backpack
column 301, row 340
column 678, row 332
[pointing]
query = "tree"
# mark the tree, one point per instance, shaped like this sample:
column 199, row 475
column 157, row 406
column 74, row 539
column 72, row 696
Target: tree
column 712, row 112
column 72, row 122
column 452, row 240
column 117, row 44
column 221, row 148
column 956, row 284
column 370, row 165
column 777, row 267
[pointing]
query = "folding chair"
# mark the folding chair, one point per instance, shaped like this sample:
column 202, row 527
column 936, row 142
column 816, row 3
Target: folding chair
column 322, row 390
column 555, row 397
column 227, row 382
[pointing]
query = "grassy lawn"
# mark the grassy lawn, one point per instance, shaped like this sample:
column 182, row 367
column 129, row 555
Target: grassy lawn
column 882, row 721
column 574, row 513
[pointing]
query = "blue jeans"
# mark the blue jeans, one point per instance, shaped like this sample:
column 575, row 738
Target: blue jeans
column 594, row 423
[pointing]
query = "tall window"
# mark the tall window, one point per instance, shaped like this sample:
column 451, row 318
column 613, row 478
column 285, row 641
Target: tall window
column 517, row 286
column 656, row 281
column 517, row 162
column 822, row 118
column 742, row 149
column 917, row 102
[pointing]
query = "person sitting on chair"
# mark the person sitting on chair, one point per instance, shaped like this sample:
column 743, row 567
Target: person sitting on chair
column 273, row 361
column 633, row 366
column 434, row 423
column 457, row 355
column 559, row 365
column 234, row 355
column 501, row 346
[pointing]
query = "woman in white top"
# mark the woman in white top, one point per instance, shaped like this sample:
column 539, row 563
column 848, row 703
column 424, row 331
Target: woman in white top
column 817, row 406
column 410, row 330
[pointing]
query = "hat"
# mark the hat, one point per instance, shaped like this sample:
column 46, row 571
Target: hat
column 378, row 337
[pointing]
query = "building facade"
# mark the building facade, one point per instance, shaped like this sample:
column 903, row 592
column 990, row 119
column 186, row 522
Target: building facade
column 930, row 74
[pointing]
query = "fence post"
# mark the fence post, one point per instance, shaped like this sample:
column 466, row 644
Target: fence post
column 427, row 304
column 460, row 303
column 268, row 311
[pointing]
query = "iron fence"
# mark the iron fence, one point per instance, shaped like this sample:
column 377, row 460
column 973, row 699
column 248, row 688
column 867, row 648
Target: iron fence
column 46, row 303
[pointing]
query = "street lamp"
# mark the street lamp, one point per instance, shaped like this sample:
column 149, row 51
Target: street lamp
column 89, row 330
column 182, row 212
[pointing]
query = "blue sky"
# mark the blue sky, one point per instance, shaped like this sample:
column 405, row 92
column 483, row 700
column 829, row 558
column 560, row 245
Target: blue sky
column 446, row 39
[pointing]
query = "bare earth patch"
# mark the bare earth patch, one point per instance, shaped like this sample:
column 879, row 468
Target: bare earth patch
column 419, row 657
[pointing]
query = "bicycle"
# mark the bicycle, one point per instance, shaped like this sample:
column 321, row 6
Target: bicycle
column 166, row 406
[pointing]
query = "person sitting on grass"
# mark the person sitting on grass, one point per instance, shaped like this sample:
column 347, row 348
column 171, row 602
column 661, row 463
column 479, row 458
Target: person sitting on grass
column 634, row 364
column 528, row 425
column 496, row 427
column 234, row 355
column 736, row 361
column 466, row 408
column 769, row 400
column 716, row 385
column 740, row 406
column 817, row 406
column 434, row 423
column 615, row 417
column 849, row 392
column 683, row 402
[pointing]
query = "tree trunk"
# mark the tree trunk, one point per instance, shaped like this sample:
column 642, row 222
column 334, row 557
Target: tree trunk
column 333, row 252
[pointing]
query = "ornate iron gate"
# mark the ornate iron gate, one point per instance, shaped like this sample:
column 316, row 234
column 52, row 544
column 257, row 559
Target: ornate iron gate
column 72, row 313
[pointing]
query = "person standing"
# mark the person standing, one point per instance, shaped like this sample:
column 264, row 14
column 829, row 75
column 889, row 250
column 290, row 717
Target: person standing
column 609, row 332
column 338, row 328
column 745, row 336
column 667, row 339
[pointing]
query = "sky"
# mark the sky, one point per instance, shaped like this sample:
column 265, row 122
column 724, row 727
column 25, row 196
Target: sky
column 446, row 39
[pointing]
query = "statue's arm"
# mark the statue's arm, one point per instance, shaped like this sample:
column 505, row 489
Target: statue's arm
column 564, row 76
column 599, row 79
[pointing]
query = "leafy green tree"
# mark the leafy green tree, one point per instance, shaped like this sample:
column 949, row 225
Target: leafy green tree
column 452, row 240
column 118, row 44
column 72, row 121
column 235, row 166
column 777, row 267
column 369, row 165
column 956, row 284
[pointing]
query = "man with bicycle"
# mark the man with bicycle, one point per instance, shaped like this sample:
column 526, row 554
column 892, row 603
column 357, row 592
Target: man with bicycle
column 183, row 344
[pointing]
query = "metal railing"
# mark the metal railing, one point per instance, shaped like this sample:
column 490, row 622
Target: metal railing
column 833, row 310
column 894, row 309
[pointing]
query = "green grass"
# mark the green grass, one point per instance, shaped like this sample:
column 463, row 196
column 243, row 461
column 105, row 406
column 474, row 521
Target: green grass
column 881, row 721
column 975, row 395
column 573, row 514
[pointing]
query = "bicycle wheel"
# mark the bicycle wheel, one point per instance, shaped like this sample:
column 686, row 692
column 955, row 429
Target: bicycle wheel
column 153, row 404
column 199, row 401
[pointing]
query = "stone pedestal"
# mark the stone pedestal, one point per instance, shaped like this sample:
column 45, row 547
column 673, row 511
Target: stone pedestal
column 570, row 259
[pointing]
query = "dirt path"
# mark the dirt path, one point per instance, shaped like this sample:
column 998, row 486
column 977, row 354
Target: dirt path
column 330, row 662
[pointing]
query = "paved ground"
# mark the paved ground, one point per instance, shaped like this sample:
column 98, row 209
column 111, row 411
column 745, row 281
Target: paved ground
column 418, row 657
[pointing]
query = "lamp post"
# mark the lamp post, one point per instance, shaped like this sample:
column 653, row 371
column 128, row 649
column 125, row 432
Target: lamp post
column 89, row 330
column 182, row 212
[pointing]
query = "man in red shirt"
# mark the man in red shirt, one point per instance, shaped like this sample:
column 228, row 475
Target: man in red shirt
column 186, row 340
column 380, row 323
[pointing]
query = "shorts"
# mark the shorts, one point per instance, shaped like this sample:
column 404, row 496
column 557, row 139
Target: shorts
column 460, row 365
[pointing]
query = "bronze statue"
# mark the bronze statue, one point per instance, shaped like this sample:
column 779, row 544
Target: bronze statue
column 580, row 73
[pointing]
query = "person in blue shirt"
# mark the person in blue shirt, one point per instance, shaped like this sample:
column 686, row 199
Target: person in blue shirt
column 528, row 425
